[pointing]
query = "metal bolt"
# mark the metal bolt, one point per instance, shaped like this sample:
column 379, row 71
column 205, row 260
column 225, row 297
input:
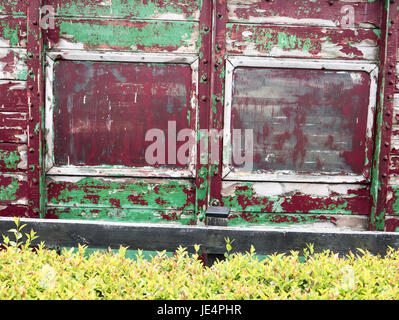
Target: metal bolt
column 203, row 98
column 206, row 28
column 215, row 202
column 31, row 150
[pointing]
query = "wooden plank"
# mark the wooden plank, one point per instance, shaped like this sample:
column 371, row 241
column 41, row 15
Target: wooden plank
column 130, row 9
column 272, row 197
column 205, row 96
column 86, row 192
column 392, row 200
column 305, row 221
column 303, row 42
column 14, row 211
column 186, row 217
column 340, row 13
column 13, row 189
column 13, row 157
column 13, row 64
column 13, row 7
column 13, row 127
column 12, row 32
column 35, row 93
column 13, row 96
column 158, row 237
column 385, row 107
column 138, row 36
column 391, row 224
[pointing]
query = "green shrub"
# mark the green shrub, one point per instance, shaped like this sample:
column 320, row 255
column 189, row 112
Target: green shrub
column 40, row 273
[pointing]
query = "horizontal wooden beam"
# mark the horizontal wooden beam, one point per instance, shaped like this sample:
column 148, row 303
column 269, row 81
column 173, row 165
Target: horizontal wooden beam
column 157, row 237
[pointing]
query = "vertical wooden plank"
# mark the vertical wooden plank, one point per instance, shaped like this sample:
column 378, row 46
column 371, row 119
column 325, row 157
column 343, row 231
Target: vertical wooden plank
column 380, row 175
column 205, row 62
column 216, row 117
column 35, row 98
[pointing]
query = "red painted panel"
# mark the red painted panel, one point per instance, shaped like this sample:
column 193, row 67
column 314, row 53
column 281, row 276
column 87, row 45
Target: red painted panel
column 13, row 127
column 308, row 12
column 13, row 96
column 304, row 42
column 103, row 110
column 392, row 224
column 13, row 7
column 303, row 120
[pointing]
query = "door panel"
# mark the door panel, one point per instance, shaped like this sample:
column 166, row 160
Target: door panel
column 304, row 82
column 305, row 88
column 122, row 87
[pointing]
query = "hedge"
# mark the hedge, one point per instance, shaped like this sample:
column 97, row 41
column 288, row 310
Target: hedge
column 41, row 273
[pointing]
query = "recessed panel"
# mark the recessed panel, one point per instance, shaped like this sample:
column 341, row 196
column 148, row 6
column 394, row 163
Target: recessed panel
column 103, row 110
column 303, row 121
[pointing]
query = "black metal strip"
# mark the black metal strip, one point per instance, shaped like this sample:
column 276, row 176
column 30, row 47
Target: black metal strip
column 157, row 237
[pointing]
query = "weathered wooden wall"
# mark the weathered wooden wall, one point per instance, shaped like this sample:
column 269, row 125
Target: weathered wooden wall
column 14, row 108
column 96, row 183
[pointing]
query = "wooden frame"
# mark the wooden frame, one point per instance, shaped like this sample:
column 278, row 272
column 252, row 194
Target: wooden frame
column 233, row 62
column 52, row 169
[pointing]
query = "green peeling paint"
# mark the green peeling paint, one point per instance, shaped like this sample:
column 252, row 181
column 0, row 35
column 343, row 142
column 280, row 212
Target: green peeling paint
column 89, row 192
column 8, row 192
column 9, row 159
column 147, row 34
column 9, row 32
column 275, row 220
column 129, row 8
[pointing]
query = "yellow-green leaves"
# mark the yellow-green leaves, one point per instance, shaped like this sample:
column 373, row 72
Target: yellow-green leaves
column 40, row 273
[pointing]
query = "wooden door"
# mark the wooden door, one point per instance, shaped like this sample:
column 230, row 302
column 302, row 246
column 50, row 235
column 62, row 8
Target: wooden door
column 300, row 77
